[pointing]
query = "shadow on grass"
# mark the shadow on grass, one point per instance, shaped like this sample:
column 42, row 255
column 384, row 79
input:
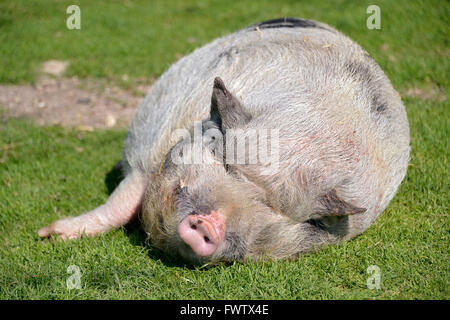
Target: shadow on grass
column 134, row 232
column 113, row 178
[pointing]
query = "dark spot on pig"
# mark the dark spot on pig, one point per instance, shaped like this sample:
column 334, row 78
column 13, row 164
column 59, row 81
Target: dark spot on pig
column 204, row 208
column 224, row 56
column 192, row 204
column 228, row 53
column 377, row 105
column 359, row 71
column 235, row 246
column 269, row 232
column 381, row 108
column 363, row 74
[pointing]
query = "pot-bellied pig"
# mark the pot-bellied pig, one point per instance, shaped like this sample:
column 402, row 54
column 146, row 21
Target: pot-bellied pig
column 275, row 140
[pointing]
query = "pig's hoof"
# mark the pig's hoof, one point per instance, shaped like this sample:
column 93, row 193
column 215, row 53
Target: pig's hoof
column 64, row 229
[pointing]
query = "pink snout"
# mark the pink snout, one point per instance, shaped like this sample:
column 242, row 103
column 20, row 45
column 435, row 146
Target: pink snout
column 203, row 233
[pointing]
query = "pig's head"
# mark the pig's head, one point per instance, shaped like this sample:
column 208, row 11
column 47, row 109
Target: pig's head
column 197, row 206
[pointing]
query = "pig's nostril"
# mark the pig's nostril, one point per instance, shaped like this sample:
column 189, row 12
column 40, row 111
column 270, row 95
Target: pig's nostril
column 206, row 239
column 193, row 226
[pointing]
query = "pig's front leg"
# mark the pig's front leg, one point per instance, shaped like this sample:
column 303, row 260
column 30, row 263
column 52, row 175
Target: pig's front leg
column 120, row 208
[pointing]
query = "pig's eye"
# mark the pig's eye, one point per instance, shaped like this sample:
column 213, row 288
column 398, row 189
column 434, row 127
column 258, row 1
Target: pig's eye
column 179, row 189
column 176, row 190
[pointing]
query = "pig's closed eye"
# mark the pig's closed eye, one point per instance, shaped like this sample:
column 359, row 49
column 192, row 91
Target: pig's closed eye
column 179, row 190
column 176, row 190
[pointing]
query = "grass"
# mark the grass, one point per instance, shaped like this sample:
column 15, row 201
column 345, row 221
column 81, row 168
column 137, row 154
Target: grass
column 51, row 172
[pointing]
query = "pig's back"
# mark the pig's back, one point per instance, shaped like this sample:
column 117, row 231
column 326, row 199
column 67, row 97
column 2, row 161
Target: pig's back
column 182, row 94
column 324, row 92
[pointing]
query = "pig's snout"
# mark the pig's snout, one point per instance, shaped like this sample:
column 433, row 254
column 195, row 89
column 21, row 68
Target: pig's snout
column 203, row 233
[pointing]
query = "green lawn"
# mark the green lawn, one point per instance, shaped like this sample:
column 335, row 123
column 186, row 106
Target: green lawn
column 50, row 172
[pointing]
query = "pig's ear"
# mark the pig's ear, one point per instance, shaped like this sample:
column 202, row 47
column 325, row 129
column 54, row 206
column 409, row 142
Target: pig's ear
column 332, row 205
column 226, row 109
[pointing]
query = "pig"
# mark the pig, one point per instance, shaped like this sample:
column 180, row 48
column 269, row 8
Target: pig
column 335, row 130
